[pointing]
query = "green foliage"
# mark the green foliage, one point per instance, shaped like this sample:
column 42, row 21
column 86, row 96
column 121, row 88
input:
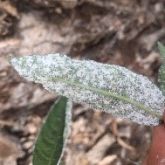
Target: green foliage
column 49, row 145
column 161, row 76
column 162, row 51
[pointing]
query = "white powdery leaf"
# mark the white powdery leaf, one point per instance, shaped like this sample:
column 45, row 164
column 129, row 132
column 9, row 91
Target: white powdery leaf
column 111, row 88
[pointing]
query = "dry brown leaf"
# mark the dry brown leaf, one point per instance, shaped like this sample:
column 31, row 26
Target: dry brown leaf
column 9, row 8
column 9, row 148
column 108, row 160
column 96, row 154
column 123, row 144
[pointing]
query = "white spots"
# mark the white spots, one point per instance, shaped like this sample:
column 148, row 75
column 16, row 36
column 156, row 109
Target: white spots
column 111, row 88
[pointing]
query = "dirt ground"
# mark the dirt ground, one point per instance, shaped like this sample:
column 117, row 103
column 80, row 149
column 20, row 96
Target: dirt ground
column 123, row 32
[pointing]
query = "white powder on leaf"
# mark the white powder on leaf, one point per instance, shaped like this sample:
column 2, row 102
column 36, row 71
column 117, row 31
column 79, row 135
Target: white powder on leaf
column 96, row 84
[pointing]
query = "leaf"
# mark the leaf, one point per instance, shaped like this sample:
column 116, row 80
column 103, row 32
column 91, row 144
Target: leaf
column 162, row 51
column 111, row 88
column 161, row 75
column 51, row 140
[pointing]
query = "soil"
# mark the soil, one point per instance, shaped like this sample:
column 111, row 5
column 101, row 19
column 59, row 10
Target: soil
column 122, row 32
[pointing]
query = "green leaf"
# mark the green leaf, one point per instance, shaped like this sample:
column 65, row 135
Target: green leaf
column 162, row 51
column 49, row 145
column 161, row 75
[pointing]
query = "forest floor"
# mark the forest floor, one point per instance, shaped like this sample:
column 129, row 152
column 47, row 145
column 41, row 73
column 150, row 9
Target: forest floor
column 123, row 32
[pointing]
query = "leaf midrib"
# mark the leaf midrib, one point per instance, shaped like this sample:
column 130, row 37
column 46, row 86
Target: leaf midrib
column 110, row 94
